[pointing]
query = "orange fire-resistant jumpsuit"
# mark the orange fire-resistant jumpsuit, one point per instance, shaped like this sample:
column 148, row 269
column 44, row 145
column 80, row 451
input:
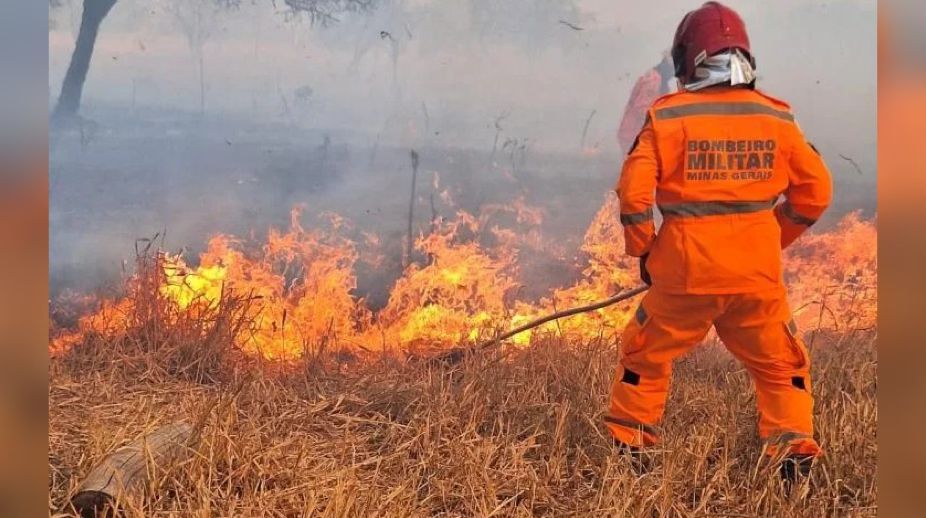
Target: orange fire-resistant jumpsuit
column 717, row 161
column 646, row 90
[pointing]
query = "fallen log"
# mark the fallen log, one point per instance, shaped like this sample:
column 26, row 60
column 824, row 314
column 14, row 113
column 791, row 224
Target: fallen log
column 455, row 355
column 127, row 471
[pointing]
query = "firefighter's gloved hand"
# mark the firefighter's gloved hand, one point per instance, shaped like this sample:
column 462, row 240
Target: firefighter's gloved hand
column 644, row 273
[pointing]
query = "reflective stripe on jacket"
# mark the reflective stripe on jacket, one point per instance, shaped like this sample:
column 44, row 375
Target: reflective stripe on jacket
column 715, row 163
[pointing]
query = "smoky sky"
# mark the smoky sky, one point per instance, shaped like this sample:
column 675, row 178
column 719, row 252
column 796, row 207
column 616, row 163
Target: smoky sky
column 433, row 72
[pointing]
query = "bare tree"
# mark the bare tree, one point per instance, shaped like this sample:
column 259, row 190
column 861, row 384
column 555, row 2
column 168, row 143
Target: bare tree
column 196, row 19
column 325, row 12
column 321, row 12
column 73, row 85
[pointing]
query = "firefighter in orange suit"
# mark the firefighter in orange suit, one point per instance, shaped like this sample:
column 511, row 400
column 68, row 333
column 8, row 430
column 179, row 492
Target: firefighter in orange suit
column 715, row 158
column 650, row 86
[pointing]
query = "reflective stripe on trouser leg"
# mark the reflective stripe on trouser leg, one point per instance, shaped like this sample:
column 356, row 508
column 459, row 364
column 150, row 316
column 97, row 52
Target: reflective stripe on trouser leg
column 756, row 331
column 649, row 344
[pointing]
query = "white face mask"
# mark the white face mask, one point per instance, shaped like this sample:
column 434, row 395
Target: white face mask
column 731, row 67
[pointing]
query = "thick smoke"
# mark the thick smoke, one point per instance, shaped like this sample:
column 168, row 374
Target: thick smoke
column 200, row 119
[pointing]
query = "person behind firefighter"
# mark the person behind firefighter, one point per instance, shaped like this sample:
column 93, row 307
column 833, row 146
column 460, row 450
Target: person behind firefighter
column 715, row 158
column 656, row 82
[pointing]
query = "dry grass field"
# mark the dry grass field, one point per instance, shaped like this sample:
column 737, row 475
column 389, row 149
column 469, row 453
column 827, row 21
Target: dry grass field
column 519, row 435
column 304, row 402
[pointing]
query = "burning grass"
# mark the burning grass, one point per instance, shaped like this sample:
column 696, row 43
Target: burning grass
column 521, row 437
column 311, row 403
column 296, row 293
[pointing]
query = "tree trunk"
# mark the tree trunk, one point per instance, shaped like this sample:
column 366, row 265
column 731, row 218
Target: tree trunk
column 73, row 85
column 126, row 472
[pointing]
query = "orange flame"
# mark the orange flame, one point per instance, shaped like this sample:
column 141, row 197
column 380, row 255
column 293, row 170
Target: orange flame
column 465, row 288
column 832, row 277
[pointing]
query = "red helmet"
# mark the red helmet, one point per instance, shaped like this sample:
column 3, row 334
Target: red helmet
column 706, row 31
